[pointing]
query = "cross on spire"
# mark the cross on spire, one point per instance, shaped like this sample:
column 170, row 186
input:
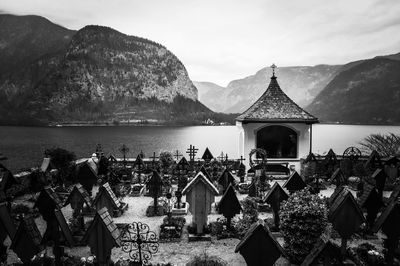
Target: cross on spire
column 273, row 66
column 221, row 157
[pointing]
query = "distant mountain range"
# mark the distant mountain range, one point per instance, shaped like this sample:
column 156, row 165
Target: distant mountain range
column 50, row 74
column 360, row 92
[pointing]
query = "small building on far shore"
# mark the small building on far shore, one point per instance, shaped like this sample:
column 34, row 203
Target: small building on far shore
column 278, row 125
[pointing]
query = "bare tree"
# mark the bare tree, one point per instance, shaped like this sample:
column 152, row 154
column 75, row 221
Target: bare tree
column 385, row 144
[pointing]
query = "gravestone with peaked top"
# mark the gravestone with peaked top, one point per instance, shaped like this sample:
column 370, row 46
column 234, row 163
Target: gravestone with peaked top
column 345, row 216
column 373, row 162
column 155, row 184
column 102, row 236
column 274, row 198
column 106, row 198
column 330, row 162
column 27, row 241
column 86, row 176
column 207, row 155
column 338, row 178
column 200, row 194
column 294, row 183
column 388, row 222
column 229, row 205
column 225, row 179
column 259, row 247
column 372, row 202
column 325, row 252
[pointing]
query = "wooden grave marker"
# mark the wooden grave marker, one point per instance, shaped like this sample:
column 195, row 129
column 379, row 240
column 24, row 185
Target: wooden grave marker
column 27, row 240
column 345, row 216
column 204, row 171
column 294, row 183
column 207, row 155
column 7, row 228
column 86, row 176
column 338, row 178
column 229, row 205
column 274, row 198
column 155, row 184
column 47, row 202
column 200, row 193
column 102, row 236
column 373, row 162
column 372, row 202
column 106, row 198
column 225, row 179
column 325, row 252
column 389, row 222
column 380, row 179
column 258, row 246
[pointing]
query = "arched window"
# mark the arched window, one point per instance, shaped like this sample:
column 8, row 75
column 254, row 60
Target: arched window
column 278, row 141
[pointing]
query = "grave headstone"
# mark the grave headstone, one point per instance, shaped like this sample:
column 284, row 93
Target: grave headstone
column 253, row 190
column 47, row 202
column 200, row 193
column 155, row 185
column 229, row 205
column 204, row 171
column 226, row 179
column 338, row 178
column 101, row 236
column 258, row 246
column 380, row 179
column 274, row 198
column 325, row 252
column 27, row 240
column 345, row 216
column 389, row 222
column 106, row 198
column 294, row 183
column 373, row 162
column 77, row 197
column 372, row 202
column 86, row 176
column 207, row 155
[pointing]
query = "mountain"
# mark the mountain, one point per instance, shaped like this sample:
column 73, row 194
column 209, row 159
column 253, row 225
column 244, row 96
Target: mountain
column 212, row 95
column 365, row 92
column 301, row 83
column 26, row 38
column 96, row 75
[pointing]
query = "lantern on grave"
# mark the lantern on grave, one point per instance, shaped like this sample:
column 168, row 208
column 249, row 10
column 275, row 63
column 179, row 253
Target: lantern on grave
column 258, row 246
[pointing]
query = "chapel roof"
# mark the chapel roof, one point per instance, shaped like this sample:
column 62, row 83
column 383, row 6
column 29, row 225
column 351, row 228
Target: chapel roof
column 275, row 106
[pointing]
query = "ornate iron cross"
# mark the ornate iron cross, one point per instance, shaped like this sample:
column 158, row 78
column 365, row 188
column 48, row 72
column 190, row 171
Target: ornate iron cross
column 139, row 242
column 192, row 152
column 352, row 153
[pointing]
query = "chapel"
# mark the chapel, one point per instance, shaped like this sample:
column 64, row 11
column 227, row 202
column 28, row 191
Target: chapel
column 278, row 125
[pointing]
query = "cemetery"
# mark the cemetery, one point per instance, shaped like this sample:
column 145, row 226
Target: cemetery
column 273, row 205
column 192, row 207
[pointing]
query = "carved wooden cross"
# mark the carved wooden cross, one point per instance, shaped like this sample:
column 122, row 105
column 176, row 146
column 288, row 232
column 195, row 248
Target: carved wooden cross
column 221, row 157
column 192, row 152
column 154, row 157
column 241, row 160
column 177, row 155
column 124, row 150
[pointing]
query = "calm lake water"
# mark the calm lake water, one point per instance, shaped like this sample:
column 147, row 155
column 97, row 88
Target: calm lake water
column 24, row 146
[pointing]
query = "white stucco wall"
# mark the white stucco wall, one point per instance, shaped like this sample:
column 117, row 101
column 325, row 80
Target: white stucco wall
column 247, row 141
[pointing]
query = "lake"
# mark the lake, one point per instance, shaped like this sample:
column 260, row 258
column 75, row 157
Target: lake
column 24, row 146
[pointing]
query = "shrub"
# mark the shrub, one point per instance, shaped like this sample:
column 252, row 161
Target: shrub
column 303, row 220
column 219, row 229
column 250, row 216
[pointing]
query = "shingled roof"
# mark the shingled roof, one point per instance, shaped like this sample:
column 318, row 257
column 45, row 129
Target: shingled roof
column 275, row 106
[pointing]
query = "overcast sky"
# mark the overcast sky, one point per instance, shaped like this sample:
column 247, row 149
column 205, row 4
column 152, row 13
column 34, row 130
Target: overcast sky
column 223, row 40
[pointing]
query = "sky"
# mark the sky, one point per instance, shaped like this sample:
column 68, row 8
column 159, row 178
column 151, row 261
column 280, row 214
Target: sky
column 223, row 40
